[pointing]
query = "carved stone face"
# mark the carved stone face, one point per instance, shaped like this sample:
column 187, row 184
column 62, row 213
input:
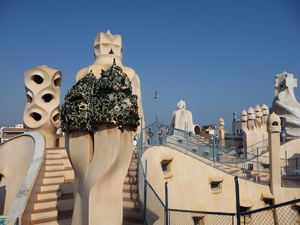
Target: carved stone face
column 285, row 81
column 258, row 112
column 244, row 116
column 221, row 122
column 265, row 110
column 106, row 44
column 251, row 114
column 181, row 104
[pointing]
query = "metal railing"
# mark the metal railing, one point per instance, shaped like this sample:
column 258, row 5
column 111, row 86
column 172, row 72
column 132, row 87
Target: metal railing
column 251, row 163
column 247, row 162
column 156, row 211
column 2, row 220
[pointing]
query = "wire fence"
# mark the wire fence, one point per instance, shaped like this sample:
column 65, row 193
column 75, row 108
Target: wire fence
column 285, row 213
column 156, row 211
column 185, row 217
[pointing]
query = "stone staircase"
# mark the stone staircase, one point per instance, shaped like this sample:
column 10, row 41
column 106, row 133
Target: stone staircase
column 56, row 197
column 262, row 177
column 131, row 208
column 55, row 202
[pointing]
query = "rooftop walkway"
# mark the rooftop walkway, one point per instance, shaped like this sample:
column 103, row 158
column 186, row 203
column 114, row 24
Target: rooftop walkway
column 250, row 164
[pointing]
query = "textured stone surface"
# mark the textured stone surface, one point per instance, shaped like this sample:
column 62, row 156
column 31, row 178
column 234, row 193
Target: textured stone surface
column 14, row 175
column 107, row 99
column 254, row 126
column 101, row 115
column 41, row 112
column 107, row 48
column 183, row 119
column 285, row 103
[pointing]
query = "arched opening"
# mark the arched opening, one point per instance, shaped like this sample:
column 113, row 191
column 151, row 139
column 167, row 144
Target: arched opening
column 197, row 130
column 29, row 98
column 56, row 117
column 111, row 52
column 47, row 97
column 36, row 116
column 38, row 79
column 57, row 82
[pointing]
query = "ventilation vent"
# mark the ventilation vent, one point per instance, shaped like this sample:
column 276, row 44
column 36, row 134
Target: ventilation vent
column 166, row 168
column 47, row 98
column 36, row 116
column 37, row 79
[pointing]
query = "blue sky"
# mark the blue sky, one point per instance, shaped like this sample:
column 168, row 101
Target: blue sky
column 218, row 56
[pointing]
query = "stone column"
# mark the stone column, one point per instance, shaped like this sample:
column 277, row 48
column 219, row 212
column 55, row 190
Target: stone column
column 100, row 117
column 221, row 132
column 274, row 129
column 41, row 112
column 100, row 161
column 243, row 118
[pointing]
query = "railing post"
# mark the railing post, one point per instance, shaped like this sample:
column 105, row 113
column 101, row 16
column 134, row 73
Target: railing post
column 237, row 200
column 16, row 221
column 257, row 160
column 166, row 204
column 244, row 159
column 156, row 134
column 214, row 160
column 140, row 152
column 141, row 136
column 145, row 194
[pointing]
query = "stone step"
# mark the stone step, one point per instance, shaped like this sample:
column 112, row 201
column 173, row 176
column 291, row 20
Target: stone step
column 255, row 173
column 44, row 213
column 132, row 213
column 53, row 156
column 132, row 180
column 132, row 166
column 130, row 221
column 61, row 151
column 49, row 194
column 226, row 168
column 219, row 165
column 65, row 187
column 65, row 202
column 50, row 167
column 63, row 218
column 130, row 194
column 45, row 205
column 234, row 170
column 53, row 180
column 132, row 173
column 135, row 161
column 131, row 203
column 67, row 173
column 63, row 160
column 55, row 222
column 134, row 155
column 129, row 186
